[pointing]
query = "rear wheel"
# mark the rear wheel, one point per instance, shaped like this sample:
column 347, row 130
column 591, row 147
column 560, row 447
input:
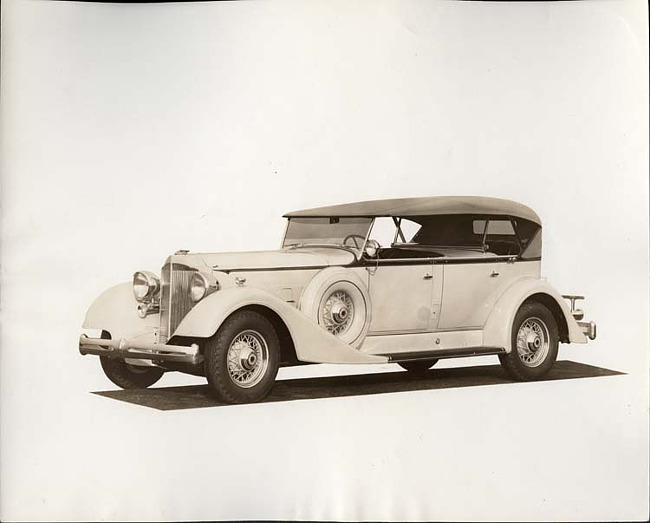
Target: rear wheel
column 242, row 358
column 535, row 342
column 418, row 366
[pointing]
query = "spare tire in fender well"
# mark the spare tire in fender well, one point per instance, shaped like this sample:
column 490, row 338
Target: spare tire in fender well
column 339, row 301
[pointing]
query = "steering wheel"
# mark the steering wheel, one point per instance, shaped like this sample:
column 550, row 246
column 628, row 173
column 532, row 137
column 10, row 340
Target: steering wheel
column 354, row 238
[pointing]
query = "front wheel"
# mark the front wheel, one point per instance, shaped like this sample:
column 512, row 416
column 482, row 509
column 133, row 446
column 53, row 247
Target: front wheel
column 130, row 376
column 242, row 358
column 534, row 343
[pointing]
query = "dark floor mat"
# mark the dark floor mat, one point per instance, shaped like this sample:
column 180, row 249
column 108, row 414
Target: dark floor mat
column 197, row 396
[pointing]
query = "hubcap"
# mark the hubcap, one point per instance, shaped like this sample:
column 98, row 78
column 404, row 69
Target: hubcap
column 338, row 312
column 248, row 359
column 533, row 342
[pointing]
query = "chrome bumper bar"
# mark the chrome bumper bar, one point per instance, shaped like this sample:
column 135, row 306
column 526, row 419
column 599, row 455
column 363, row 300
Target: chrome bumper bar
column 137, row 350
column 588, row 329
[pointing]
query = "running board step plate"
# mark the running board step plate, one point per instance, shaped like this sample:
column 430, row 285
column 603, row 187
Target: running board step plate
column 440, row 354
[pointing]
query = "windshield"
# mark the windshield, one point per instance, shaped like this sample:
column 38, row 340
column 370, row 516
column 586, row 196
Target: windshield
column 346, row 232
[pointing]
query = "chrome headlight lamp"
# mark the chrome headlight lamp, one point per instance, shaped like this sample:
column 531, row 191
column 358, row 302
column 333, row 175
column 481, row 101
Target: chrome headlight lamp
column 145, row 285
column 201, row 286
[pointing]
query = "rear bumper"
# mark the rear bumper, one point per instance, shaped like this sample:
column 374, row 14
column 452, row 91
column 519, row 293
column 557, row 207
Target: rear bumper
column 588, row 329
column 131, row 349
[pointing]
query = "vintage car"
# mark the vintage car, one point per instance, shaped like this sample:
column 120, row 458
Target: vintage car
column 408, row 281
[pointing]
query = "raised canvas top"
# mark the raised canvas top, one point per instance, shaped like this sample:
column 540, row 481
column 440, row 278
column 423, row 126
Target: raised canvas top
column 424, row 206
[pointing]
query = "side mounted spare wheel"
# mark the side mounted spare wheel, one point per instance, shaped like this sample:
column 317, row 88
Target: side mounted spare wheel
column 338, row 300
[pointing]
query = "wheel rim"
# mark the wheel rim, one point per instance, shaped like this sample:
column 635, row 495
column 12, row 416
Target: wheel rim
column 533, row 342
column 248, row 359
column 337, row 313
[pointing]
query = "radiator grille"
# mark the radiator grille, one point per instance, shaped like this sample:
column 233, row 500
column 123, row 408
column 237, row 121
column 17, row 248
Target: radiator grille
column 175, row 301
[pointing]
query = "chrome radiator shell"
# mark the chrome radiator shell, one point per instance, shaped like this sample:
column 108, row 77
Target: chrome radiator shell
column 175, row 301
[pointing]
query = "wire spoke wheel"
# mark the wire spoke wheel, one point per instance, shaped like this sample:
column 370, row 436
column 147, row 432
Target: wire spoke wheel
column 337, row 313
column 242, row 358
column 247, row 359
column 533, row 342
column 338, row 300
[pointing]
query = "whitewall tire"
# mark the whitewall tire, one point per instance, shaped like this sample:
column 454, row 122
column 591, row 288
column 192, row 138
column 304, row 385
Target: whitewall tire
column 339, row 302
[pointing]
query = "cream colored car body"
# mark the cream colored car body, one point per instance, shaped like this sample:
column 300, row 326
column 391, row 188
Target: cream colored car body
column 457, row 304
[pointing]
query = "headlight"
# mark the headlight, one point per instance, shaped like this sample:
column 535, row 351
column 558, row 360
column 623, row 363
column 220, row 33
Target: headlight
column 199, row 286
column 145, row 285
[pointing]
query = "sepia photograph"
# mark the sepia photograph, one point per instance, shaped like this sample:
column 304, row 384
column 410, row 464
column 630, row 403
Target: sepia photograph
column 370, row 260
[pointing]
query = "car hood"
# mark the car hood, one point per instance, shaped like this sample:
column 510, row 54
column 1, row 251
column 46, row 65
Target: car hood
column 261, row 260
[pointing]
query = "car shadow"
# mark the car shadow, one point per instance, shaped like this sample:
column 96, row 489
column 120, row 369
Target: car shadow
column 198, row 396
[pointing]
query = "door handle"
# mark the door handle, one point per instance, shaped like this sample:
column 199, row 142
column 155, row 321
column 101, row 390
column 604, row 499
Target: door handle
column 427, row 276
column 494, row 274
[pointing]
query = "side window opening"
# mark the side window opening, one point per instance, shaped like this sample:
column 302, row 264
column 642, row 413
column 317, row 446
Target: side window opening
column 500, row 238
column 478, row 227
column 464, row 232
column 395, row 235
column 530, row 235
column 408, row 230
column 384, row 231
column 500, row 228
column 431, row 236
column 391, row 232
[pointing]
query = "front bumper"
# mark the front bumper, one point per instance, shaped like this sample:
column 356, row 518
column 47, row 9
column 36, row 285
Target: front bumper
column 137, row 350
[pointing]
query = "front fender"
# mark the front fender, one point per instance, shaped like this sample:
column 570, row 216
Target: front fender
column 115, row 311
column 498, row 328
column 312, row 343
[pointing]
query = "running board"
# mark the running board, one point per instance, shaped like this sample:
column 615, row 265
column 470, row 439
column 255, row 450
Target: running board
column 440, row 354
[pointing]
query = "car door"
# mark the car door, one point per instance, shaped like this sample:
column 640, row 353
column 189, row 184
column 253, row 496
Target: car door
column 473, row 284
column 470, row 290
column 402, row 290
column 402, row 295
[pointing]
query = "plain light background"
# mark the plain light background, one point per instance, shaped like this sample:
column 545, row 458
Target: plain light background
column 131, row 131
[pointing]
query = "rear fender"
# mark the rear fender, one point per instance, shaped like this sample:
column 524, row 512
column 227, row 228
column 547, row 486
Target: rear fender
column 498, row 328
column 313, row 344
